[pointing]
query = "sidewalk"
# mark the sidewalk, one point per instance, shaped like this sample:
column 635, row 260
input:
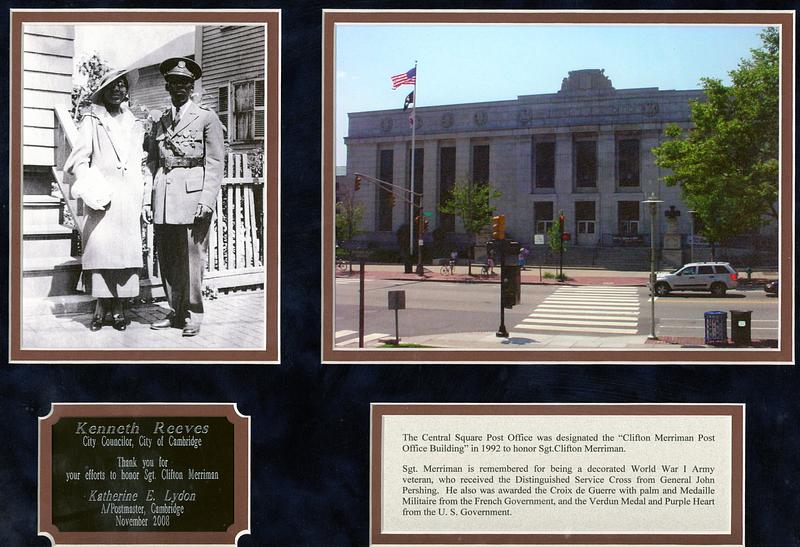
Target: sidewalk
column 525, row 340
column 230, row 321
column 529, row 276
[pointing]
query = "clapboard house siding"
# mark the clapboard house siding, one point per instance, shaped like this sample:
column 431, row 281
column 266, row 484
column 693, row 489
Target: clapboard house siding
column 150, row 94
column 46, row 81
column 232, row 55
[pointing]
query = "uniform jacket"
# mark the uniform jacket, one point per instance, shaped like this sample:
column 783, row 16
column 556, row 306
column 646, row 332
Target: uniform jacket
column 186, row 163
column 112, row 146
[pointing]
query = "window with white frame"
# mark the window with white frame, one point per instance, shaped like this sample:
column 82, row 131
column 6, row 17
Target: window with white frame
column 543, row 216
column 585, row 216
column 241, row 110
column 628, row 218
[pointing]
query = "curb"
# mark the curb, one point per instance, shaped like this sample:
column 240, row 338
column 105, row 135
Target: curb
column 496, row 280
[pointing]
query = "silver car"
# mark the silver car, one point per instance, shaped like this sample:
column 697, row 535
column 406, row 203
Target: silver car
column 716, row 277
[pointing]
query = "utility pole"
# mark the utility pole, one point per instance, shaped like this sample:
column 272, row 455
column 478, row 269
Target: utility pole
column 499, row 244
column 561, row 249
column 653, row 202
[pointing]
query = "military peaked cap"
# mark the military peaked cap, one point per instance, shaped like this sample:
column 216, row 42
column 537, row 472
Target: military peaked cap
column 180, row 66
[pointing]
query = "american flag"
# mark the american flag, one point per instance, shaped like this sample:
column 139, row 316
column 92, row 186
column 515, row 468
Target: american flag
column 409, row 78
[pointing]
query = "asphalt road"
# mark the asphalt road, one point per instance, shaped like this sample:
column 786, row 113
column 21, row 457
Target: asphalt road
column 440, row 307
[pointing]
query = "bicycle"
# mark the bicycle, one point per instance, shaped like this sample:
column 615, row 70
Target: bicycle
column 449, row 268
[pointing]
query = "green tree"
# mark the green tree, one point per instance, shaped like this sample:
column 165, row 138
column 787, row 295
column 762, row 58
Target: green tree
column 472, row 203
column 93, row 68
column 554, row 234
column 349, row 215
column 727, row 164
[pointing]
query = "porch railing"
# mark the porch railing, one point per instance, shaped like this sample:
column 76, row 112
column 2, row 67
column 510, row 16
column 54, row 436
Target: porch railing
column 65, row 134
column 235, row 253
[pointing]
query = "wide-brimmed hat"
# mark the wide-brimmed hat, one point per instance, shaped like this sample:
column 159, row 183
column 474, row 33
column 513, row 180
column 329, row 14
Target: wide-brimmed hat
column 180, row 66
column 132, row 75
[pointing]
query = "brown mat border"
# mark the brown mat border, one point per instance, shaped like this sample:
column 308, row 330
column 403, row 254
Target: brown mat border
column 735, row 411
column 785, row 352
column 270, row 353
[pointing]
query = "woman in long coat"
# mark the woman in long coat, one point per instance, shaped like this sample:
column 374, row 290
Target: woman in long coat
column 107, row 164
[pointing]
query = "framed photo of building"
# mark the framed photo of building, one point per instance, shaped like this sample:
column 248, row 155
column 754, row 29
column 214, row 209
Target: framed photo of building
column 533, row 181
column 177, row 125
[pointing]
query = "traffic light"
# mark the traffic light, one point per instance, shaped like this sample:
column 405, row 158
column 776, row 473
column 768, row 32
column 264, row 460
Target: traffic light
column 510, row 286
column 499, row 227
column 425, row 226
column 561, row 223
column 357, row 184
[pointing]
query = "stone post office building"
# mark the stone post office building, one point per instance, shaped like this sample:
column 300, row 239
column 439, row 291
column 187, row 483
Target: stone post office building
column 584, row 150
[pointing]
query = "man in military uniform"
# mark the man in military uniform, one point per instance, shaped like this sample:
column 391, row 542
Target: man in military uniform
column 185, row 156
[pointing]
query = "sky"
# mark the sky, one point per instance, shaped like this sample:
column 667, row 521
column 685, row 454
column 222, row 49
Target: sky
column 472, row 63
column 138, row 40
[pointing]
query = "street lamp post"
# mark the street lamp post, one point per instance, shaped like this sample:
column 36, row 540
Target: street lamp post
column 691, row 235
column 653, row 202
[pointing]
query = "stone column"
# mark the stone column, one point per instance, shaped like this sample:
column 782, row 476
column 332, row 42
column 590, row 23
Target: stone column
column 606, row 183
column 400, row 176
column 523, row 188
column 463, row 168
column 563, row 182
column 363, row 158
column 650, row 179
column 430, row 181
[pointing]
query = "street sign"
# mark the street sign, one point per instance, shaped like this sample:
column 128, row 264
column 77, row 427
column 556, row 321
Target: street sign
column 397, row 300
column 538, row 239
column 421, row 242
column 427, row 213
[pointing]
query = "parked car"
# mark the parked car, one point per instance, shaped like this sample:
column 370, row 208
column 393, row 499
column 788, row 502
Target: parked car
column 771, row 287
column 716, row 277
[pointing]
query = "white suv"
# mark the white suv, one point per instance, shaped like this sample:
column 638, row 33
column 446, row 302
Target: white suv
column 716, row 277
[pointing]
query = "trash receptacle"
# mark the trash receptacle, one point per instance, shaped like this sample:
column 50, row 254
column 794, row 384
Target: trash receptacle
column 716, row 323
column 740, row 327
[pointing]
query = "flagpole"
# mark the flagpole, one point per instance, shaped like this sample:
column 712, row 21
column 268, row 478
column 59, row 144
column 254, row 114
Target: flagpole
column 413, row 157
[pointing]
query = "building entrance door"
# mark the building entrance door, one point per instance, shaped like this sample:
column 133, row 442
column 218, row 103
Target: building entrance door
column 586, row 225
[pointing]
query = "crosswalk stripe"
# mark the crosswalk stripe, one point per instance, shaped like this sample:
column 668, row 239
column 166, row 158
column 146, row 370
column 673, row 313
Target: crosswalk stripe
column 341, row 333
column 597, row 291
column 619, row 299
column 597, row 322
column 556, row 317
column 596, row 296
column 562, row 306
column 574, row 329
column 556, row 310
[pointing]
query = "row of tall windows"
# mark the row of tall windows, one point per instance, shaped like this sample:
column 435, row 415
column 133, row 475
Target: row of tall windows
column 585, row 214
column 447, row 180
column 585, row 162
column 544, row 161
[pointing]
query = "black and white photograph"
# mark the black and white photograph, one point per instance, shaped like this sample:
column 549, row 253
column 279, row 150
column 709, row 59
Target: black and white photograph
column 145, row 186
